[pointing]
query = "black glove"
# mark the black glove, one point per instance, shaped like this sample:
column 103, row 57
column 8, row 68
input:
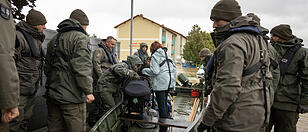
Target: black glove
column 302, row 109
column 203, row 127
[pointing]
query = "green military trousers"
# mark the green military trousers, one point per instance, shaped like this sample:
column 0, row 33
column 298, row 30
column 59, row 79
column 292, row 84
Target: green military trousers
column 283, row 121
column 66, row 117
column 110, row 99
column 25, row 107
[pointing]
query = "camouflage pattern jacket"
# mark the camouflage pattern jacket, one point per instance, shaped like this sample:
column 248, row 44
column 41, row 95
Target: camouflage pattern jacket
column 9, row 83
column 237, row 101
column 68, row 66
column 28, row 60
column 112, row 78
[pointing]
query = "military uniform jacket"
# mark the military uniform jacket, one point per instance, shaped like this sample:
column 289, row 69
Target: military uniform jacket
column 101, row 62
column 9, row 83
column 237, row 101
column 69, row 80
column 292, row 89
column 111, row 79
column 28, row 63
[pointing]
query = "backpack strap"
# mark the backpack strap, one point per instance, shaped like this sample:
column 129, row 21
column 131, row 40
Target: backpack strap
column 287, row 58
column 162, row 63
column 55, row 51
column 34, row 52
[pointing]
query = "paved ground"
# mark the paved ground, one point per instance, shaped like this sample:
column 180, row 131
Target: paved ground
column 302, row 125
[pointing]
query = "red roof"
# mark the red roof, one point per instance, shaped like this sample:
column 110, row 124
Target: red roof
column 140, row 15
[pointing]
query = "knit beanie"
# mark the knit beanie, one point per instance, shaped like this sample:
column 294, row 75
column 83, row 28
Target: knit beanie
column 80, row 16
column 282, row 31
column 35, row 18
column 226, row 10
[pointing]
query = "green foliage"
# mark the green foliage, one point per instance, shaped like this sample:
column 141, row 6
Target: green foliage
column 17, row 6
column 197, row 40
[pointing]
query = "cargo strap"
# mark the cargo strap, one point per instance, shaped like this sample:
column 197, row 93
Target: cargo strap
column 287, row 58
column 162, row 63
column 55, row 51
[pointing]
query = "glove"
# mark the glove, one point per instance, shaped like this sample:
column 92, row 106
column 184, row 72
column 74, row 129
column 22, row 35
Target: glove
column 203, row 127
column 302, row 109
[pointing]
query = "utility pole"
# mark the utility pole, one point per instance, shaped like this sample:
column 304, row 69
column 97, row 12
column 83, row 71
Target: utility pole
column 131, row 28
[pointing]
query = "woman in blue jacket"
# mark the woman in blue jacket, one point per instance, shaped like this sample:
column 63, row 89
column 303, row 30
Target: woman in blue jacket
column 162, row 72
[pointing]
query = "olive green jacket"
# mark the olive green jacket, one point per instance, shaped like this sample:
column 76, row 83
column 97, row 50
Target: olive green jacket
column 9, row 83
column 69, row 80
column 275, row 71
column 28, row 66
column 101, row 62
column 237, row 101
column 292, row 89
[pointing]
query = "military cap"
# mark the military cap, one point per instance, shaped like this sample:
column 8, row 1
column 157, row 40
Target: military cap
column 35, row 18
column 80, row 16
column 226, row 10
column 282, row 31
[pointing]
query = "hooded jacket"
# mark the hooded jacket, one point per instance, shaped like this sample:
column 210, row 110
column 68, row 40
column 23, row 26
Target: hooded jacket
column 237, row 101
column 292, row 89
column 9, row 82
column 160, row 74
column 28, row 60
column 68, row 66
column 143, row 56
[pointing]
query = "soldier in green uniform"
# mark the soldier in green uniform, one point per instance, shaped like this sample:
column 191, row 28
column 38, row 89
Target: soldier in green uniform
column 69, row 75
column 291, row 95
column 28, row 58
column 274, row 55
column 142, row 53
column 9, row 83
column 103, row 58
column 205, row 55
column 239, row 100
column 109, row 84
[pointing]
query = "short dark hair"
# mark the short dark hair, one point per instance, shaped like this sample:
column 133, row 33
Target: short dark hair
column 110, row 38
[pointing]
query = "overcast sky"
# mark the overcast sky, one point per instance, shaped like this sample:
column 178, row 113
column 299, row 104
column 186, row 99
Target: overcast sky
column 179, row 15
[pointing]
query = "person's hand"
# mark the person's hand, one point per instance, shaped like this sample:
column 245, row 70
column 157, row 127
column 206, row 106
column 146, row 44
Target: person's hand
column 90, row 98
column 202, row 127
column 302, row 109
column 9, row 114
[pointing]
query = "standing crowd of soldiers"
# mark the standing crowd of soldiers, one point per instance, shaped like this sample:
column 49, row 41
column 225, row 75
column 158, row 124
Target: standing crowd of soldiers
column 254, row 84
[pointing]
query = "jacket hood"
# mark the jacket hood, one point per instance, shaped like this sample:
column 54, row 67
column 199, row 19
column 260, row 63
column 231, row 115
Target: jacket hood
column 143, row 44
column 31, row 30
column 240, row 24
column 133, row 60
column 70, row 24
column 294, row 41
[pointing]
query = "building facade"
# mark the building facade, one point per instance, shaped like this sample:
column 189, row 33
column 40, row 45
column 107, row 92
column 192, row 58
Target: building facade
column 148, row 31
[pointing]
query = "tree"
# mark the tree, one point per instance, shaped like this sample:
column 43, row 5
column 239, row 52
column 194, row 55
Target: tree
column 17, row 6
column 197, row 40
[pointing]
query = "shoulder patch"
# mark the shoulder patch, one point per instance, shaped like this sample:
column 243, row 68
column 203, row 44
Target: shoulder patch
column 5, row 12
column 89, row 47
